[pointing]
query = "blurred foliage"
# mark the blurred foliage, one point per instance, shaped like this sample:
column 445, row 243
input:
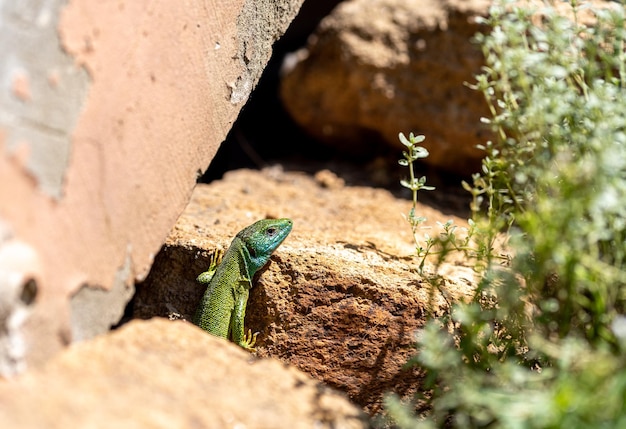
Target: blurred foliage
column 542, row 344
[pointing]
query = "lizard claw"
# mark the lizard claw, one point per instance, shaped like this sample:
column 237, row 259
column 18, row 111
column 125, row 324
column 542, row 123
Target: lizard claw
column 216, row 258
column 249, row 340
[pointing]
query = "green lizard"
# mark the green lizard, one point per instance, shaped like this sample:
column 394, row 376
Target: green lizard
column 223, row 307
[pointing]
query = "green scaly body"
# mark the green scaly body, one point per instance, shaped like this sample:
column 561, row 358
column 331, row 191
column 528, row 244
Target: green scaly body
column 223, row 307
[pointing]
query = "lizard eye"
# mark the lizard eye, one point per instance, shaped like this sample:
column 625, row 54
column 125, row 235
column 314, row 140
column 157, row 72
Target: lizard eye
column 271, row 230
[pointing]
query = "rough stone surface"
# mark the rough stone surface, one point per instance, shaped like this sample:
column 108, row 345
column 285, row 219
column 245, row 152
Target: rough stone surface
column 375, row 68
column 108, row 113
column 18, row 263
column 162, row 374
column 340, row 299
column 42, row 78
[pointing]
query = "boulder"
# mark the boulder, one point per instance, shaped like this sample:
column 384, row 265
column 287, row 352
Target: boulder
column 163, row 374
column 341, row 298
column 110, row 112
column 374, row 68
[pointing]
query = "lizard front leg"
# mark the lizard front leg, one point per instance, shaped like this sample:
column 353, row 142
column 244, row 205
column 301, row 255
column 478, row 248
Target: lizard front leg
column 247, row 340
column 216, row 258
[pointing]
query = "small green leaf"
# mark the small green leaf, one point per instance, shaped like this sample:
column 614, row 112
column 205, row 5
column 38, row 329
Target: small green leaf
column 404, row 140
column 417, row 139
column 420, row 152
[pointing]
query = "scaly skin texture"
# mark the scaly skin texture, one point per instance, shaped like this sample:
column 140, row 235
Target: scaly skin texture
column 223, row 307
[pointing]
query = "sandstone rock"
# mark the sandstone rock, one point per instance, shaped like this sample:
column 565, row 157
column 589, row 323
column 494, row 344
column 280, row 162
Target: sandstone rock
column 108, row 113
column 375, row 68
column 340, row 299
column 19, row 273
column 162, row 374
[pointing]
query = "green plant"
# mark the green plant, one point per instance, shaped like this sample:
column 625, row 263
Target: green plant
column 447, row 240
column 540, row 344
column 412, row 153
column 559, row 170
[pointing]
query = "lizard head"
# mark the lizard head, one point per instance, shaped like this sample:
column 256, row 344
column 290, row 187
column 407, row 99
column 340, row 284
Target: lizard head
column 263, row 237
